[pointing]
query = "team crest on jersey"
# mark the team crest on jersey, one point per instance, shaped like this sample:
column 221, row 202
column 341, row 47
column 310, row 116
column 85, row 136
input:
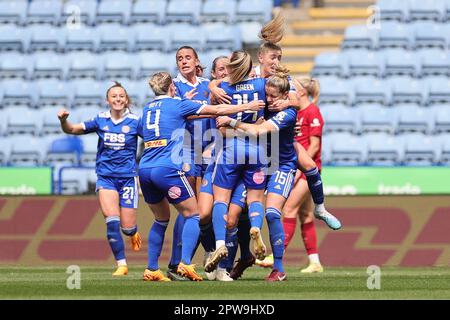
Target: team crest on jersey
column 280, row 116
column 258, row 177
column 174, row 192
column 125, row 129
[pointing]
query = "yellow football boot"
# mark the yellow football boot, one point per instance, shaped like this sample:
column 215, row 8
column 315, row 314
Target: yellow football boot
column 156, row 275
column 188, row 271
column 313, row 268
column 121, row 271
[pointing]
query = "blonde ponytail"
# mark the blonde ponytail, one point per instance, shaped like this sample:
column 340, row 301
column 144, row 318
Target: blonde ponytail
column 239, row 67
column 273, row 31
column 312, row 87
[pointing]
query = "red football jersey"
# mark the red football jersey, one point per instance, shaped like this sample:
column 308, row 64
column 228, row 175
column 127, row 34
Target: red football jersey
column 311, row 123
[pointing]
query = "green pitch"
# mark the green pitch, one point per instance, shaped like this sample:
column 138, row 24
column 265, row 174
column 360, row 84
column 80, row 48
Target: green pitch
column 334, row 283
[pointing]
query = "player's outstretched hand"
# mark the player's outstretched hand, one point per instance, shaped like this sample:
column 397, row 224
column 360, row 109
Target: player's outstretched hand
column 191, row 94
column 222, row 121
column 62, row 115
column 220, row 95
column 256, row 105
column 279, row 105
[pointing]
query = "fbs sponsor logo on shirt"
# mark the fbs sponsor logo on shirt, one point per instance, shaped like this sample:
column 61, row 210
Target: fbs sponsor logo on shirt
column 155, row 143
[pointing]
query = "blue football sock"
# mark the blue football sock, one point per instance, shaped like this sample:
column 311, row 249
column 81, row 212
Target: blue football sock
column 191, row 232
column 129, row 232
column 276, row 233
column 256, row 214
column 207, row 237
column 115, row 238
column 315, row 185
column 231, row 243
column 155, row 243
column 219, row 224
column 176, row 241
column 244, row 236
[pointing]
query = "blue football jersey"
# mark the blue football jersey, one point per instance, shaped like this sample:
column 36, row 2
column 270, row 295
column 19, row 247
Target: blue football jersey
column 163, row 124
column 117, row 144
column 245, row 92
column 284, row 121
column 199, row 126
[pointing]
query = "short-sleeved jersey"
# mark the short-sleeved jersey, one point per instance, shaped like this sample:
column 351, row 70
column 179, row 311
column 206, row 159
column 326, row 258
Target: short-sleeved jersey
column 183, row 86
column 117, row 144
column 163, row 123
column 245, row 92
column 311, row 124
column 284, row 121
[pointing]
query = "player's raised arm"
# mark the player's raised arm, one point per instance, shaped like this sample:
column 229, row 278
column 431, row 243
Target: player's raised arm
column 68, row 127
column 227, row 109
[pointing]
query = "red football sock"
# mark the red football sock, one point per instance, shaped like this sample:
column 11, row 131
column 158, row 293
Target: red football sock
column 289, row 225
column 309, row 237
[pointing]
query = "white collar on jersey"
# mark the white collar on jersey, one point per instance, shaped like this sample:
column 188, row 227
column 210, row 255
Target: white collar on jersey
column 185, row 81
column 125, row 114
column 163, row 96
column 258, row 71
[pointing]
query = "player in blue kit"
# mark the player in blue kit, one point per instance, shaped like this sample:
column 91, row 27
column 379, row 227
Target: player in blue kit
column 190, row 86
column 281, row 181
column 160, row 170
column 116, row 169
column 240, row 158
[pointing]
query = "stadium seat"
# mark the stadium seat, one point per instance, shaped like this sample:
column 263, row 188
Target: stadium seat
column 114, row 11
column 393, row 10
column 421, row 150
column 336, row 90
column 407, row 90
column 88, row 92
column 26, row 151
column 384, row 149
column 54, row 93
column 89, row 155
column 13, row 11
column 442, row 119
column 249, row 33
column 64, row 151
column 445, row 149
column 330, row 64
column 186, row 35
column 414, row 119
column 221, row 36
column 254, row 10
column 44, row 11
column 434, row 62
column 339, row 118
column 447, row 11
column 82, row 65
column 187, row 11
column 151, row 37
column 5, row 150
column 375, row 92
column 430, row 35
column 148, row 11
column 120, row 65
column 13, row 38
column 22, row 121
column 219, row 11
column 399, row 62
column 395, row 35
column 50, row 121
column 439, row 90
column 85, row 113
column 84, row 38
column 360, row 37
column 152, row 62
column 47, row 38
column 16, row 66
column 76, row 12
column 19, row 93
column 348, row 150
column 73, row 181
column 49, row 65
column 116, row 37
column 377, row 119
column 364, row 63
column 426, row 10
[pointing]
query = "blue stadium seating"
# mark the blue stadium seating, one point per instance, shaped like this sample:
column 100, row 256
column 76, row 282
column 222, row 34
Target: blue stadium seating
column 19, row 93
column 219, row 11
column 88, row 92
column 219, row 36
column 340, row 118
column 13, row 11
column 415, row 119
column 348, row 150
column 89, row 156
column 151, row 37
column 330, row 64
column 393, row 10
column 384, row 149
column 421, row 150
column 148, row 11
column 22, row 121
column 430, row 35
column 441, row 119
column 73, row 181
column 5, row 150
column 154, row 61
column 26, row 151
column 83, row 38
column 49, row 65
column 64, row 151
column 16, row 66
column 399, row 62
column 360, row 37
column 13, row 38
column 377, row 119
column 426, row 10
column 434, row 62
column 187, row 11
column 76, row 12
column 445, row 149
column 83, row 65
column 254, row 10
column 395, row 35
column 439, row 90
column 44, row 11
column 375, row 92
column 407, row 90
column 50, row 121
column 114, row 11
column 119, row 64
column 115, row 37
column 336, row 90
column 54, row 93
column 364, row 63
column 47, row 38
column 186, row 35
column 85, row 113
column 249, row 33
